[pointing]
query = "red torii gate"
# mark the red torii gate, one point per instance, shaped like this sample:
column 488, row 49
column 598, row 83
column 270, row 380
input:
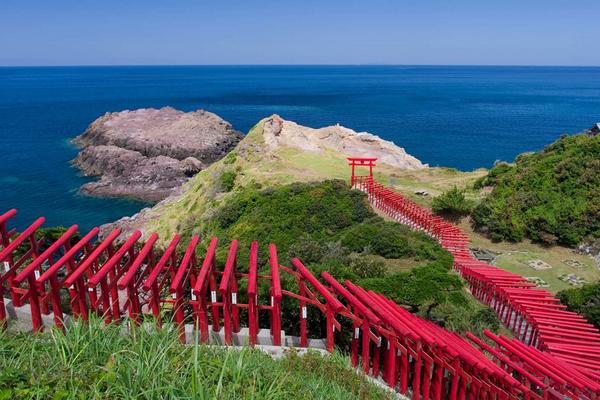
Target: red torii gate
column 360, row 162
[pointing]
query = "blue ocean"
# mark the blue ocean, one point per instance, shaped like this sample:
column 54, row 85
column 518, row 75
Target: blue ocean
column 462, row 117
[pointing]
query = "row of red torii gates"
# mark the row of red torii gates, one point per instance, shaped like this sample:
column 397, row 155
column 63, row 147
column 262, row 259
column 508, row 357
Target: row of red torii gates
column 560, row 345
column 124, row 278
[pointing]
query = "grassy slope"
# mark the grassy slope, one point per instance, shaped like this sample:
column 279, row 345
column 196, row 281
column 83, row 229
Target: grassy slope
column 547, row 190
column 286, row 165
column 93, row 361
column 514, row 258
column 550, row 196
column 202, row 203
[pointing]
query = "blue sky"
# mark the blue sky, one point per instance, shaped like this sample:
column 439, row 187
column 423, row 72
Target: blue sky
column 508, row 32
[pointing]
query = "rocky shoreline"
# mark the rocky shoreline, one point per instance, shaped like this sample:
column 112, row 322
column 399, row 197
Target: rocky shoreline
column 146, row 154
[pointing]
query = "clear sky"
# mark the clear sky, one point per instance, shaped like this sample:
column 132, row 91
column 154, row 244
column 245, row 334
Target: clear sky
column 105, row 32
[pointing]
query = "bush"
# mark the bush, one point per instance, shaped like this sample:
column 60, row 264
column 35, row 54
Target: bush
column 584, row 300
column 420, row 288
column 305, row 216
column 367, row 267
column 227, row 180
column 307, row 250
column 452, row 203
column 552, row 196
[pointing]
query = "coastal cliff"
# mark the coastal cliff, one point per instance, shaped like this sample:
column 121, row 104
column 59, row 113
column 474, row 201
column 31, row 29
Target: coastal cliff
column 274, row 152
column 148, row 153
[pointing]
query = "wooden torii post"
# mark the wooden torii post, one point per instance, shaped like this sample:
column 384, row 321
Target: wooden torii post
column 361, row 162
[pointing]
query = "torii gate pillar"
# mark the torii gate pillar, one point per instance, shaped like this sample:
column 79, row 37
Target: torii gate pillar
column 361, row 162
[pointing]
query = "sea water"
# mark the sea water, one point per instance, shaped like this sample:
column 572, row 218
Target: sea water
column 461, row 117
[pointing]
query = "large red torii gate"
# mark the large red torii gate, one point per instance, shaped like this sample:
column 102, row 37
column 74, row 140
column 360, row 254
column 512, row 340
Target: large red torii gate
column 360, row 162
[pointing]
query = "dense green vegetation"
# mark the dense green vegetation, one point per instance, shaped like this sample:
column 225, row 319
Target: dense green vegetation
column 584, row 300
column 452, row 204
column 227, row 180
column 92, row 361
column 333, row 228
column 552, row 196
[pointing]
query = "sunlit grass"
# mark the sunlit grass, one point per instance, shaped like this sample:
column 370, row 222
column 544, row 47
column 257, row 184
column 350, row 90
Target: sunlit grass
column 93, row 361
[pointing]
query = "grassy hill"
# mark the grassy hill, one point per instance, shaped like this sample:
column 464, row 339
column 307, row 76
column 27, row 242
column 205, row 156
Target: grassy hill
column 333, row 228
column 251, row 164
column 285, row 195
column 537, row 208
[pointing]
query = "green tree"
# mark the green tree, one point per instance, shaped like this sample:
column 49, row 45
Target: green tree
column 584, row 300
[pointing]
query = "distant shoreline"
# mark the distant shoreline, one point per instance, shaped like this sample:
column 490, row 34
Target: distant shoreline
column 305, row 65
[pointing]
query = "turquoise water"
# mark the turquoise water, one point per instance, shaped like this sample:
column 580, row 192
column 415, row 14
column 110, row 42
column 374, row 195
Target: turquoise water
column 464, row 117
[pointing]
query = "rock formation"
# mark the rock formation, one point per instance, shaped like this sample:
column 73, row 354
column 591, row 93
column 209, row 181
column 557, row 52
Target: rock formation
column 145, row 154
column 281, row 133
column 594, row 130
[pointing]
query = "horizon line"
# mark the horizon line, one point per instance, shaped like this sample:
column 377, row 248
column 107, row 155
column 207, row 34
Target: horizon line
column 299, row 65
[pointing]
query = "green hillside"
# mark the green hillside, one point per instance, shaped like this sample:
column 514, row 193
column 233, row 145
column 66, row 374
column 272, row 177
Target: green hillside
column 333, row 228
column 583, row 300
column 287, row 196
column 552, row 196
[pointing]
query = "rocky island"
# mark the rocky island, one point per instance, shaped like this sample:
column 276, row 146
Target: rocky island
column 146, row 154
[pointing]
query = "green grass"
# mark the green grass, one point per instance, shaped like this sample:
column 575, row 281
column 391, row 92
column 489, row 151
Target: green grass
column 93, row 361
column 517, row 262
column 513, row 257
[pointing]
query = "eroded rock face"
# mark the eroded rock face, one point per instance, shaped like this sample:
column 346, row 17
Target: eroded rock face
column 127, row 173
column 145, row 154
column 281, row 133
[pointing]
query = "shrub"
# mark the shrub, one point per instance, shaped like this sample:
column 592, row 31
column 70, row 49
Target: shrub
column 300, row 215
column 421, row 289
column 367, row 267
column 227, row 180
column 307, row 249
column 332, row 228
column 452, row 203
column 584, row 300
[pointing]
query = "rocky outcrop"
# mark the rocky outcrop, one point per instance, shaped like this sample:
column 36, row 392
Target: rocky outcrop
column 594, row 130
column 271, row 144
column 281, row 133
column 145, row 154
column 127, row 173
